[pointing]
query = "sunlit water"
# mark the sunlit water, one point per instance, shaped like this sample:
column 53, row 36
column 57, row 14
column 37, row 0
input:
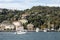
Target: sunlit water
column 30, row 36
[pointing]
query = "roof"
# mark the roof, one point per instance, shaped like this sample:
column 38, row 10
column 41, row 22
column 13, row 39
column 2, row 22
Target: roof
column 23, row 20
column 30, row 25
column 17, row 23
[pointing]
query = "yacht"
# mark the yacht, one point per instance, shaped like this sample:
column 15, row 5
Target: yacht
column 44, row 30
column 37, row 29
column 20, row 32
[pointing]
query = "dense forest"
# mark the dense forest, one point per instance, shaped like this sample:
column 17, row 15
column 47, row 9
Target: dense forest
column 37, row 15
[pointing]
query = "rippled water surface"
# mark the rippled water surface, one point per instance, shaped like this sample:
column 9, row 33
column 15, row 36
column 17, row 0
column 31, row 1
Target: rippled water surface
column 30, row 36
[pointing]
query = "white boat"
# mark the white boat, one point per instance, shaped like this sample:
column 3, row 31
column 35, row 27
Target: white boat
column 52, row 29
column 45, row 30
column 20, row 32
column 37, row 29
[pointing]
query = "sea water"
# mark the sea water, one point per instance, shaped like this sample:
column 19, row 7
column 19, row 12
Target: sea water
column 30, row 36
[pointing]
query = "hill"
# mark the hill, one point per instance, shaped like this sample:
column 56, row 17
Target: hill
column 37, row 15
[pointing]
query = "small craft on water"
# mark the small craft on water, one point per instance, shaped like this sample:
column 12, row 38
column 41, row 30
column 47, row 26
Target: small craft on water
column 20, row 32
column 37, row 29
column 44, row 30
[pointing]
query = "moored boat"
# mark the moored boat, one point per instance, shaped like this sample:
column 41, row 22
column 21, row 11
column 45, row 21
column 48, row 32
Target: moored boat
column 20, row 32
column 37, row 29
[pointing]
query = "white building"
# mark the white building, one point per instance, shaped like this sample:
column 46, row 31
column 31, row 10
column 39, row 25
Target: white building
column 23, row 21
column 17, row 24
column 7, row 26
column 10, row 26
column 30, row 27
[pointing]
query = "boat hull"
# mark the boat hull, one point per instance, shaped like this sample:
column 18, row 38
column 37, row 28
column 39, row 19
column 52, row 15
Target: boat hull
column 20, row 32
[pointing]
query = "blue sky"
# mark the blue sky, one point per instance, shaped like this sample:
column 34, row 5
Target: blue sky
column 24, row 4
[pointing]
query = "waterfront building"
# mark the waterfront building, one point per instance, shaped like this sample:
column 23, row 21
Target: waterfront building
column 17, row 24
column 30, row 27
column 21, row 28
column 9, row 27
column 2, row 27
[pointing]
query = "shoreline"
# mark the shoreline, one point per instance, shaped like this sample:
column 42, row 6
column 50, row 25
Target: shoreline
column 30, row 31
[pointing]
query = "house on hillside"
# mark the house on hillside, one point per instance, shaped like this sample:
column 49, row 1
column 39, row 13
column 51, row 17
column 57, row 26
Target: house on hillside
column 17, row 24
column 9, row 27
column 4, row 26
column 30, row 27
column 24, row 16
column 23, row 21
